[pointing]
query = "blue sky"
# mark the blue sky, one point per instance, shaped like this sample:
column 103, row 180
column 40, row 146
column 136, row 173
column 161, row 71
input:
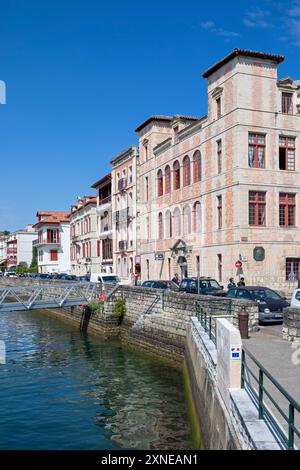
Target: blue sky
column 82, row 74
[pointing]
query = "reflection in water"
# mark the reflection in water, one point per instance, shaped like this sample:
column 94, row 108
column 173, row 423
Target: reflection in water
column 62, row 389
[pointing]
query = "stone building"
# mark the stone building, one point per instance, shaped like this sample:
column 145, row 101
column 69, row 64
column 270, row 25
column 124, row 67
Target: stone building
column 84, row 236
column 104, row 223
column 225, row 187
column 124, row 213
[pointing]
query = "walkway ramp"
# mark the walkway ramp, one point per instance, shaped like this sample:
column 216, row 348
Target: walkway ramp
column 20, row 298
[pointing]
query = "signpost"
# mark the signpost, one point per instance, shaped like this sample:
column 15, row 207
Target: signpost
column 239, row 271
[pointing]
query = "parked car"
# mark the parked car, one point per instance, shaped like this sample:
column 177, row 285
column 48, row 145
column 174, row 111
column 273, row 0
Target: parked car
column 105, row 278
column 168, row 285
column 201, row 285
column 83, row 278
column 10, row 274
column 295, row 302
column 270, row 302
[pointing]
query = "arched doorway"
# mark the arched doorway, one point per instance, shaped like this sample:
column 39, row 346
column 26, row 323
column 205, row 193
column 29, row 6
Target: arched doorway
column 182, row 262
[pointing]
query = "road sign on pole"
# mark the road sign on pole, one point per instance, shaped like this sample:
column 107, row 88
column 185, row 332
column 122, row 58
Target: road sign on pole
column 238, row 264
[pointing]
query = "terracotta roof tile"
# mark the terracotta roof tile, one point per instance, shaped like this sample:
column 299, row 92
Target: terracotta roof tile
column 242, row 52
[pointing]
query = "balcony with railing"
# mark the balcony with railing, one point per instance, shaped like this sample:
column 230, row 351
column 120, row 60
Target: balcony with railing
column 44, row 241
column 123, row 216
column 12, row 251
column 104, row 204
column 105, row 227
column 122, row 183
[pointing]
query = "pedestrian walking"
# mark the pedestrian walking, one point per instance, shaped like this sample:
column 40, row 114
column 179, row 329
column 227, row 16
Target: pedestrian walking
column 241, row 282
column 176, row 279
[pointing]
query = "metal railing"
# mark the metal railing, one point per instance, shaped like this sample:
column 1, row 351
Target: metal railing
column 17, row 298
column 208, row 320
column 153, row 303
column 263, row 399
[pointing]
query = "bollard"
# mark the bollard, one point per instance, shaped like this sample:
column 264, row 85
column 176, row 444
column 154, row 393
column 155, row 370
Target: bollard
column 243, row 318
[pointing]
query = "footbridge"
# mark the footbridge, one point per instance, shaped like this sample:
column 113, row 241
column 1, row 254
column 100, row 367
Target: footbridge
column 46, row 296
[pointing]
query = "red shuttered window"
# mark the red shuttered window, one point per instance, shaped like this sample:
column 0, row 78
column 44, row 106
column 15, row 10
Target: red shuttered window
column 167, row 179
column 256, row 150
column 287, row 103
column 176, row 175
column 287, row 148
column 219, row 156
column 257, row 208
column 160, row 188
column 197, row 166
column 287, row 209
column 53, row 255
column 219, row 208
column 186, row 171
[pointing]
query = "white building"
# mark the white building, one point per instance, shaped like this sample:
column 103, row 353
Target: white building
column 19, row 246
column 53, row 241
column 3, row 249
column 84, row 236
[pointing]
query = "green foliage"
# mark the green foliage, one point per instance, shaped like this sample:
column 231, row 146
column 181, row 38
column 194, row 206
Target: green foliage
column 96, row 306
column 34, row 262
column 22, row 264
column 120, row 307
column 20, row 269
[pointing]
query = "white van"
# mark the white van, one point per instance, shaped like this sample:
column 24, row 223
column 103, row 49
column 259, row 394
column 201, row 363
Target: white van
column 105, row 278
column 295, row 302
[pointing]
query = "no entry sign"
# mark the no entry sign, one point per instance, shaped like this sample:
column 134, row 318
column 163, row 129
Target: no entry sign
column 238, row 264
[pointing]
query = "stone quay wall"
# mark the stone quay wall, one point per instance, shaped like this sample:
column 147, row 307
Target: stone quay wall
column 163, row 324
column 291, row 324
column 155, row 321
column 231, row 426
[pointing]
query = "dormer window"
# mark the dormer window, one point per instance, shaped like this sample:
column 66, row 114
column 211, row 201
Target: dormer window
column 287, row 103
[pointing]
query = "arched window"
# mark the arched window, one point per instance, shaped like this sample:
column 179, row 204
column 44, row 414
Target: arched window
column 197, row 217
column 177, row 222
column 160, row 226
column 197, row 166
column 167, row 179
column 168, row 224
column 186, row 171
column 176, row 175
column 160, row 189
column 186, row 220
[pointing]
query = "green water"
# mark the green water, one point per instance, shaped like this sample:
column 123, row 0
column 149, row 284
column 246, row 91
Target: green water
column 62, row 389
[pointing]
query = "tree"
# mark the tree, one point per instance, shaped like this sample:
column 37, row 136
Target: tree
column 34, row 262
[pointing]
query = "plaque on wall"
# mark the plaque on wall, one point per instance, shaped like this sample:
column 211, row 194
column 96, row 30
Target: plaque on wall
column 259, row 253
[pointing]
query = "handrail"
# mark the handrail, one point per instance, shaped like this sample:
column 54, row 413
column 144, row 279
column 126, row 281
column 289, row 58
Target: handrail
column 287, row 439
column 206, row 320
column 155, row 301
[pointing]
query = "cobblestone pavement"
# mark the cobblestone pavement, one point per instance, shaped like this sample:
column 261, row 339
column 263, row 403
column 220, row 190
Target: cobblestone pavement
column 283, row 363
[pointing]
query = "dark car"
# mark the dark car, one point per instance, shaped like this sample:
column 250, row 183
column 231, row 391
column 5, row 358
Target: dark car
column 270, row 302
column 85, row 278
column 201, row 285
column 169, row 285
